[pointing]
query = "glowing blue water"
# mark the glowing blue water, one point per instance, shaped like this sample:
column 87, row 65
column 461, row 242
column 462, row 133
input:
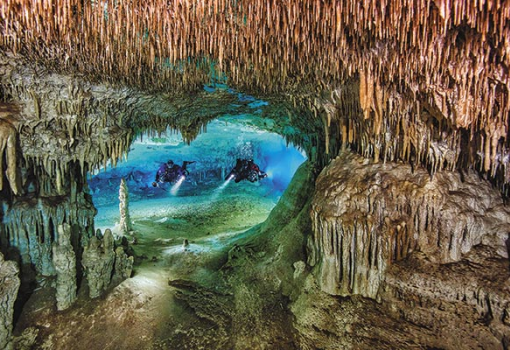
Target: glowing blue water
column 214, row 152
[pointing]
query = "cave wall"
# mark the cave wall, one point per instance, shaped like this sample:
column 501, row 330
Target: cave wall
column 9, row 285
column 432, row 250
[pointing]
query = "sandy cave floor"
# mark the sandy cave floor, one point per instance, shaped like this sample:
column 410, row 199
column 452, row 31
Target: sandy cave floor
column 145, row 311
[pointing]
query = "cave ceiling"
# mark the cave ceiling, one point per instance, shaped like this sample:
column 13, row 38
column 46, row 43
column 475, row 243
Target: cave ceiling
column 419, row 81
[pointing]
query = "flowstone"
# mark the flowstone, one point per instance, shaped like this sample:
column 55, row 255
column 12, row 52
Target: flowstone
column 9, row 285
column 367, row 217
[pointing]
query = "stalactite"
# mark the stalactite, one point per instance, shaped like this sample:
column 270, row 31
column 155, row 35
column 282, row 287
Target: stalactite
column 9, row 147
column 258, row 45
column 31, row 227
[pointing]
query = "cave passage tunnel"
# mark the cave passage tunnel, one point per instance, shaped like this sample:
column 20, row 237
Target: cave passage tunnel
column 206, row 196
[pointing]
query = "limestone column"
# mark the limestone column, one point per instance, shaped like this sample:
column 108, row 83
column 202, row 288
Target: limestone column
column 64, row 260
column 9, row 285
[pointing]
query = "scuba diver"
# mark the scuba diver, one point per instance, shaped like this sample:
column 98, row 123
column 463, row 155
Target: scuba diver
column 171, row 172
column 246, row 169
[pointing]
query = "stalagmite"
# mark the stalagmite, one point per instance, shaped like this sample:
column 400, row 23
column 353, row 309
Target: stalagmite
column 125, row 220
column 64, row 260
column 98, row 261
column 9, row 285
column 123, row 264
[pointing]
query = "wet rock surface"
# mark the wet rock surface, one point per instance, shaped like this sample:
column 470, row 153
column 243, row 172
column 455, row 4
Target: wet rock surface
column 98, row 261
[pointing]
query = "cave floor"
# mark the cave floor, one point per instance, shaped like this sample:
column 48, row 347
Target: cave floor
column 177, row 297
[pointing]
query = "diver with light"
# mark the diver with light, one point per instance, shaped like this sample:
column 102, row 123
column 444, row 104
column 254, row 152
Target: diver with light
column 171, row 172
column 246, row 169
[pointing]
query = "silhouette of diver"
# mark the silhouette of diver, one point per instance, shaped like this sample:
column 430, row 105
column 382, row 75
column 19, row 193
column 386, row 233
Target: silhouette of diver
column 246, row 169
column 171, row 172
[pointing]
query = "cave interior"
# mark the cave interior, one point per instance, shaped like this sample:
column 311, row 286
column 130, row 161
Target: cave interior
column 383, row 221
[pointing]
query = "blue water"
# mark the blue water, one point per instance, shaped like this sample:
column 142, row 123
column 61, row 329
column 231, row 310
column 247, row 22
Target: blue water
column 215, row 153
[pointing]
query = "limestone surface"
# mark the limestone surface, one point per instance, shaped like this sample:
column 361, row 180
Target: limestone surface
column 123, row 264
column 369, row 216
column 430, row 251
column 125, row 220
column 9, row 285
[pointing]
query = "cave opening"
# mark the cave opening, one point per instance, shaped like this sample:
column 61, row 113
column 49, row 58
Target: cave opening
column 211, row 157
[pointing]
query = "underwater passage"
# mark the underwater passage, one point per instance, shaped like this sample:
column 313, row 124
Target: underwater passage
column 165, row 168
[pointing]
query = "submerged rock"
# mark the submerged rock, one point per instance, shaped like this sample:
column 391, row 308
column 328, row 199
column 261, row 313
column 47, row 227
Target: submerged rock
column 367, row 217
column 430, row 251
column 123, row 264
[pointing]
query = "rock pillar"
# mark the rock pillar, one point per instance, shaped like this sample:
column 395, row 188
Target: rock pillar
column 125, row 220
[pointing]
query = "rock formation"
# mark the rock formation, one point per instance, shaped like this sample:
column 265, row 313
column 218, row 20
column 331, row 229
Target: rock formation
column 123, row 264
column 64, row 260
column 30, row 225
column 421, row 100
column 9, row 148
column 432, row 250
column 125, row 220
column 9, row 285
column 368, row 216
column 98, row 261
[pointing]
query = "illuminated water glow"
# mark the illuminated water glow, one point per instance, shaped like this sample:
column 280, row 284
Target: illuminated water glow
column 216, row 193
column 270, row 173
column 176, row 186
column 227, row 181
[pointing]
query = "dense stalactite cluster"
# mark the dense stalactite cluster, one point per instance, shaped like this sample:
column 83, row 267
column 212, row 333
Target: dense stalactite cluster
column 30, row 228
column 446, row 59
column 373, row 216
column 57, row 121
column 432, row 251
